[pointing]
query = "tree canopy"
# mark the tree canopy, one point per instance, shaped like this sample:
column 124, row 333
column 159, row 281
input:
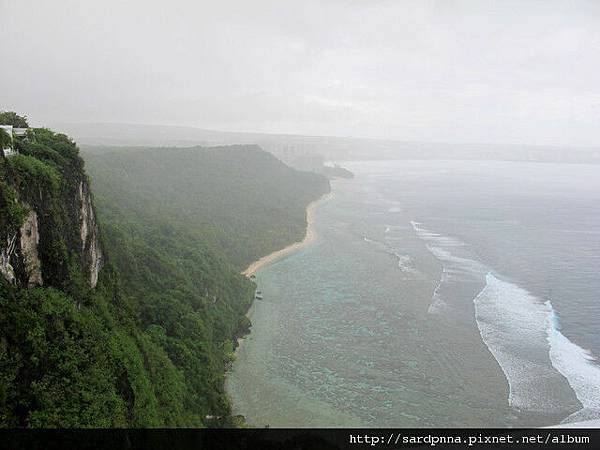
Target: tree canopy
column 242, row 200
column 5, row 141
column 12, row 118
column 149, row 346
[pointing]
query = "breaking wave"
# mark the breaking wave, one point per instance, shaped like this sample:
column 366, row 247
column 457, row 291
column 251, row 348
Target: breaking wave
column 455, row 268
column 404, row 261
column 522, row 332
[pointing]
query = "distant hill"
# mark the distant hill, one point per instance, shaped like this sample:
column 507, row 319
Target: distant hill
column 239, row 198
column 336, row 171
column 118, row 134
column 309, row 152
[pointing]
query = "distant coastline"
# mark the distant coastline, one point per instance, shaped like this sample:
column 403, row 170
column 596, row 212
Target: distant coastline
column 308, row 238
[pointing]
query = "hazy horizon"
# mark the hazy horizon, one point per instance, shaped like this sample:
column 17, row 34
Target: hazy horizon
column 425, row 71
column 59, row 125
column 316, row 214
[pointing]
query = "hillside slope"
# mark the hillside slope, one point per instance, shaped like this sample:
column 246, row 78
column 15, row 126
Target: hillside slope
column 244, row 201
column 124, row 313
column 79, row 345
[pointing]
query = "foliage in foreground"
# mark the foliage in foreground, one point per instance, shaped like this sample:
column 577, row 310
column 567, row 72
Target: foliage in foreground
column 146, row 348
column 149, row 346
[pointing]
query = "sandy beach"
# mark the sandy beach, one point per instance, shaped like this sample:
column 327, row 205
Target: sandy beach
column 308, row 238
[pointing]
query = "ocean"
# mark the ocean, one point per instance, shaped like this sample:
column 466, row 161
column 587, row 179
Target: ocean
column 436, row 293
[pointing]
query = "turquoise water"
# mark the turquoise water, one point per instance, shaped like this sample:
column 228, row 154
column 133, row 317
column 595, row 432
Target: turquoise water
column 436, row 294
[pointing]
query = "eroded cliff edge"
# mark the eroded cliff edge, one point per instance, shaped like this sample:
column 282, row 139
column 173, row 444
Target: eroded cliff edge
column 48, row 227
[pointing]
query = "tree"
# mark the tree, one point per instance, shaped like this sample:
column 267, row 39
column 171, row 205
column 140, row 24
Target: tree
column 12, row 118
column 5, row 141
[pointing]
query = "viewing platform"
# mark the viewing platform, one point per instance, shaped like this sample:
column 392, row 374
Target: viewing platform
column 13, row 132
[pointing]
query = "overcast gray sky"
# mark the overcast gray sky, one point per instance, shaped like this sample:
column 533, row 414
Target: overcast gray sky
column 459, row 71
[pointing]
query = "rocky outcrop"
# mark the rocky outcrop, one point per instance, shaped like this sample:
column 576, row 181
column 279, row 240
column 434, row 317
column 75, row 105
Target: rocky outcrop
column 19, row 259
column 91, row 252
column 30, row 238
column 7, row 250
column 49, row 234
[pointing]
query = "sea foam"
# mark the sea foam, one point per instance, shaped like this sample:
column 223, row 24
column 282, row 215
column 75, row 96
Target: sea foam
column 522, row 332
column 513, row 325
column 404, row 261
column 579, row 367
column 455, row 268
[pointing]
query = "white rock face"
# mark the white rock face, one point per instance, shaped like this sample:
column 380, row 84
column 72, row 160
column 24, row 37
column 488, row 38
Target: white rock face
column 23, row 246
column 90, row 247
column 30, row 238
column 19, row 257
column 95, row 262
column 6, row 269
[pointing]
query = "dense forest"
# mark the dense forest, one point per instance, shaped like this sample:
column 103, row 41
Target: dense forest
column 241, row 199
column 131, row 321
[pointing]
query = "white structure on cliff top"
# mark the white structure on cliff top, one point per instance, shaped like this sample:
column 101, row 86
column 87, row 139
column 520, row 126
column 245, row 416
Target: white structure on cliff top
column 12, row 131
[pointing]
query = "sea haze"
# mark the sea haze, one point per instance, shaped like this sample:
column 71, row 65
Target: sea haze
column 438, row 293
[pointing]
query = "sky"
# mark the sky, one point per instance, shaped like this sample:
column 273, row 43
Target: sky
column 524, row 72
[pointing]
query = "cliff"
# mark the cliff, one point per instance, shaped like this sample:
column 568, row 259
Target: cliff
column 48, row 230
column 125, row 316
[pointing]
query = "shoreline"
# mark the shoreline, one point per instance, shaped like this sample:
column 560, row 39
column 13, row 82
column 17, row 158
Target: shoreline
column 309, row 237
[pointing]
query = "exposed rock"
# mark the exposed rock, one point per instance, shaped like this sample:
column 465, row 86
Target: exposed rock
column 30, row 238
column 91, row 252
column 19, row 260
column 6, row 269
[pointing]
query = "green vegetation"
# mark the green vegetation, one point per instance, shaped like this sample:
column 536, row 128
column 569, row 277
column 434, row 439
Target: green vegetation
column 55, row 367
column 12, row 212
column 5, row 141
column 242, row 200
column 12, row 118
column 149, row 345
column 45, row 177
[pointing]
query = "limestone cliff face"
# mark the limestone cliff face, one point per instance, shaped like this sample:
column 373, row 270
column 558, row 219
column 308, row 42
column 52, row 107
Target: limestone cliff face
column 6, row 251
column 19, row 259
column 29, row 237
column 91, row 251
column 49, row 234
